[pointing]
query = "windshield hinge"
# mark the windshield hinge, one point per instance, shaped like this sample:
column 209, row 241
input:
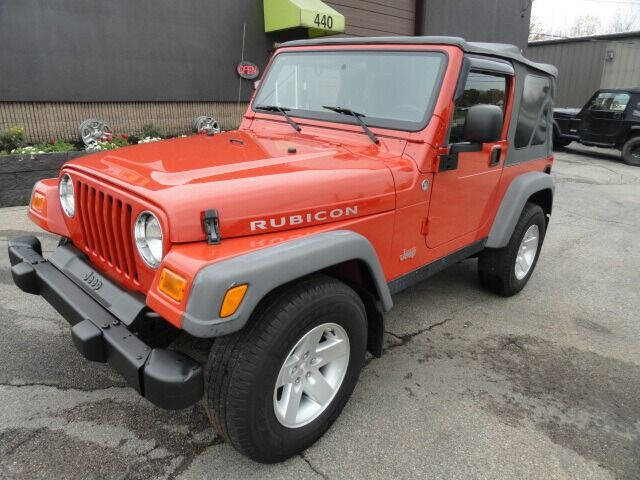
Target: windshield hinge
column 211, row 226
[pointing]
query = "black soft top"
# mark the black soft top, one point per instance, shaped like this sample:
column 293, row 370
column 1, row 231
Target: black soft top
column 499, row 50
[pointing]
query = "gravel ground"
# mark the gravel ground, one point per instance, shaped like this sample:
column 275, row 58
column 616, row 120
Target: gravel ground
column 542, row 385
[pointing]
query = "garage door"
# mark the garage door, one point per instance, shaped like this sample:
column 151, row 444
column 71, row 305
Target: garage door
column 366, row 18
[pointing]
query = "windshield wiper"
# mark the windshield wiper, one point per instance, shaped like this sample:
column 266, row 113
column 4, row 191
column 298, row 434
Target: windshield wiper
column 283, row 111
column 358, row 116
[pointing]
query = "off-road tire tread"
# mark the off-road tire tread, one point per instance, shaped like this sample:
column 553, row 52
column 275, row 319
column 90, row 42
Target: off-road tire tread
column 231, row 359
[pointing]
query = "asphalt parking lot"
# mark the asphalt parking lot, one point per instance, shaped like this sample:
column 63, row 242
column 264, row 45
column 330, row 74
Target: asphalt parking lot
column 542, row 385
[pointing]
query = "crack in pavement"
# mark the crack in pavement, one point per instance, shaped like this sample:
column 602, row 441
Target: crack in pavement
column 28, row 438
column 406, row 338
column 61, row 388
column 316, row 470
column 188, row 460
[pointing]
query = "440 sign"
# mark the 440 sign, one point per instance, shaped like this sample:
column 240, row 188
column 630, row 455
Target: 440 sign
column 323, row 21
column 248, row 70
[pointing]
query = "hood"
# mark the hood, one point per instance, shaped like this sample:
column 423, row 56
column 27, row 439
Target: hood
column 566, row 112
column 258, row 184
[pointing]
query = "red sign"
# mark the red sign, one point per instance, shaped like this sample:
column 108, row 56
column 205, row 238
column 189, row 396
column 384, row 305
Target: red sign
column 248, row 70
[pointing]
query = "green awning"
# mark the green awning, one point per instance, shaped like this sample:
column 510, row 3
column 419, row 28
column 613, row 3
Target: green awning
column 318, row 17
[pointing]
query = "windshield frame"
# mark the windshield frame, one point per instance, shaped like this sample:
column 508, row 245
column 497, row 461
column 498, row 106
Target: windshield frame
column 332, row 117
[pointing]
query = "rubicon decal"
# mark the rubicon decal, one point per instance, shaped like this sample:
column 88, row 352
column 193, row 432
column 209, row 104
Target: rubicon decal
column 302, row 218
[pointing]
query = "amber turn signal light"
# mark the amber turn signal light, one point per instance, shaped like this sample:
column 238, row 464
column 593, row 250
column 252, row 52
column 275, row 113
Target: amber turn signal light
column 232, row 300
column 172, row 284
column 38, row 202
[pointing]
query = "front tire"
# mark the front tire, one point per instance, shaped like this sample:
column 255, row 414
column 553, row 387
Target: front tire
column 631, row 152
column 505, row 271
column 560, row 143
column 305, row 343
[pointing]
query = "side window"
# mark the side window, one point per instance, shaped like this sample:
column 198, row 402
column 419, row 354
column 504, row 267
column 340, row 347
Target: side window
column 610, row 102
column 481, row 88
column 534, row 113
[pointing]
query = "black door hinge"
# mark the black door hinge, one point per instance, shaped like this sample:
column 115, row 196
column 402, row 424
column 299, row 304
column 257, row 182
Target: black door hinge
column 448, row 162
column 211, row 226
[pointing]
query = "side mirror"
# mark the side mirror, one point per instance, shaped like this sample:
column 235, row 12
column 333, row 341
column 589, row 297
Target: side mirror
column 483, row 124
column 256, row 84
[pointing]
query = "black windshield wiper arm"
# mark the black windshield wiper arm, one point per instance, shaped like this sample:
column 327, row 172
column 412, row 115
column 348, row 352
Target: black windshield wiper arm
column 357, row 116
column 283, row 111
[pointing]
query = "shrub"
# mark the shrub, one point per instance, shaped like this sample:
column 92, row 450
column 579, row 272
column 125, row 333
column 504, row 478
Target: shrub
column 30, row 150
column 151, row 130
column 60, row 146
column 149, row 139
column 56, row 146
column 120, row 142
column 115, row 142
column 12, row 139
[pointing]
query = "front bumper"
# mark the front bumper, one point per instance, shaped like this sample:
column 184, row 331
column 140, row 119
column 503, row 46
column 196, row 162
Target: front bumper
column 99, row 312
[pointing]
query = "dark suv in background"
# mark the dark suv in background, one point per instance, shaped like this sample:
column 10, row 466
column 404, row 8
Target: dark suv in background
column 610, row 119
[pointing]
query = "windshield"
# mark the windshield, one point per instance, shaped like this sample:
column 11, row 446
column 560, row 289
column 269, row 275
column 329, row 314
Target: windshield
column 391, row 89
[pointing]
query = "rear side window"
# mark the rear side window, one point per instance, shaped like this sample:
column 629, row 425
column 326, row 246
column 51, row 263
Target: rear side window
column 535, row 111
column 610, row 102
column 481, row 88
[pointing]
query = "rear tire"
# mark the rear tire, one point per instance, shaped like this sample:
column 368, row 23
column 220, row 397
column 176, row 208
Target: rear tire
column 244, row 369
column 631, row 152
column 502, row 270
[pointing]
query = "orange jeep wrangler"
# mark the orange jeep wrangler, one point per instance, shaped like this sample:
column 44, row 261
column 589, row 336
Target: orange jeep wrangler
column 362, row 166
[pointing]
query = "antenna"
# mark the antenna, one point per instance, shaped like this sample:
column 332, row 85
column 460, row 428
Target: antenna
column 244, row 32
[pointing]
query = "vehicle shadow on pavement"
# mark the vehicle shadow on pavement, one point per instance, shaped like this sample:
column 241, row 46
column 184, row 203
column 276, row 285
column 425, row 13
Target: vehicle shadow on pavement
column 600, row 153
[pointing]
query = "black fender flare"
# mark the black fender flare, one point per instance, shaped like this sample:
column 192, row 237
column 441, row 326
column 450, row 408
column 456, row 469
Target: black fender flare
column 268, row 268
column 520, row 190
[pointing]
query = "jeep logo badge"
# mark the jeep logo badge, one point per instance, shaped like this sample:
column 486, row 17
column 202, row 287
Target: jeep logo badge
column 93, row 280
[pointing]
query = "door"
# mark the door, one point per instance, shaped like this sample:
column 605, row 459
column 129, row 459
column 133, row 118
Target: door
column 603, row 117
column 461, row 195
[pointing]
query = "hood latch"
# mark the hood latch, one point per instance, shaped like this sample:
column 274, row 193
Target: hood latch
column 211, row 226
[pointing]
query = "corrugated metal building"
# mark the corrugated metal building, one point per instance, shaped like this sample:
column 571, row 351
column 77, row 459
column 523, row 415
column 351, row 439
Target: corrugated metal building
column 588, row 63
column 380, row 17
column 165, row 62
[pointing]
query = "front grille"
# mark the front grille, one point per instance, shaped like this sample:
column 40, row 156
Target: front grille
column 106, row 226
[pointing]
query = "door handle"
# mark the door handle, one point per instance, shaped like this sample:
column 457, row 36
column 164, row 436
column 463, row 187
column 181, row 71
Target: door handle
column 494, row 159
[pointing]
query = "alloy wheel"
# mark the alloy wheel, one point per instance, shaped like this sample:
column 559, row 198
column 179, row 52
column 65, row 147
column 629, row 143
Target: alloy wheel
column 527, row 252
column 311, row 375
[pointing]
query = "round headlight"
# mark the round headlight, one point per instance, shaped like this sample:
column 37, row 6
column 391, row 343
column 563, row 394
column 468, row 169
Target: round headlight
column 148, row 235
column 65, row 190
